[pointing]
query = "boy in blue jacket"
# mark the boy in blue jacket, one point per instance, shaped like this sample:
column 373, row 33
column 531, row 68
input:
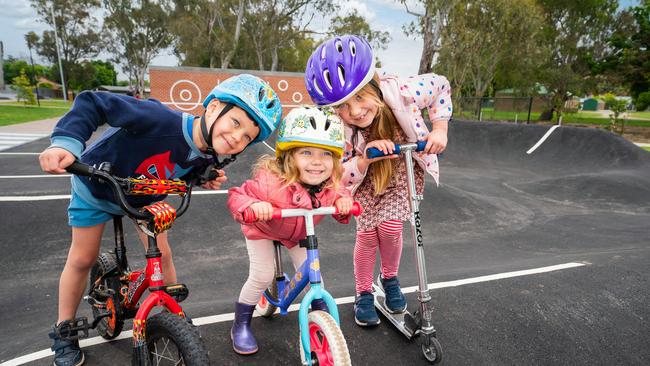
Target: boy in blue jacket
column 146, row 140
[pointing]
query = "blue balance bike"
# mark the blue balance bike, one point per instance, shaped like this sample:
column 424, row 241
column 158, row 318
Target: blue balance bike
column 321, row 339
column 419, row 323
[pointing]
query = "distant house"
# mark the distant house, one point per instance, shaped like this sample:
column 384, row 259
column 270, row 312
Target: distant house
column 505, row 100
column 593, row 104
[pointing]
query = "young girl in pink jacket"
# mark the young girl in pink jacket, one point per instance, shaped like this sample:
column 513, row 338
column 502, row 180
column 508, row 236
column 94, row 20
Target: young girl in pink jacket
column 379, row 110
column 305, row 173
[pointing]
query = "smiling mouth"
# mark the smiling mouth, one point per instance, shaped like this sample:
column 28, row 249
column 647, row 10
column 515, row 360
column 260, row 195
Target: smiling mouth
column 228, row 143
column 315, row 172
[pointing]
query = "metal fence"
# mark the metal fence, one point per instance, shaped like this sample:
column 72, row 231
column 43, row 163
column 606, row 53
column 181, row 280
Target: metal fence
column 513, row 109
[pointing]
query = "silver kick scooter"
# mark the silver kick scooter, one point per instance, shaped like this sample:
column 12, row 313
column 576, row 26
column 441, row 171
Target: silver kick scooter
column 420, row 322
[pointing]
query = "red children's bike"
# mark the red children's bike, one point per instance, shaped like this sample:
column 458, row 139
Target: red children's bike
column 168, row 337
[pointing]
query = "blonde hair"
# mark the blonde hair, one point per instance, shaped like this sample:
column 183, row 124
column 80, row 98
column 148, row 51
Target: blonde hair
column 285, row 168
column 383, row 127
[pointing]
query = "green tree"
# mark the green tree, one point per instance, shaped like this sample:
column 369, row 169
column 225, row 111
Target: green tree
column 628, row 60
column 271, row 25
column 88, row 75
column 485, row 38
column 617, row 107
column 138, row 32
column 75, row 26
column 12, row 67
column 207, row 32
column 355, row 24
column 576, row 32
column 23, row 88
column 429, row 26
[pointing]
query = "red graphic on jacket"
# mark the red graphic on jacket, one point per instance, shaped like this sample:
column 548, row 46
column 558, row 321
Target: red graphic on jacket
column 157, row 167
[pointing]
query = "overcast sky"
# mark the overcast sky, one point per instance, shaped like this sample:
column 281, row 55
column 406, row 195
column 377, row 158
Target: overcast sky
column 402, row 55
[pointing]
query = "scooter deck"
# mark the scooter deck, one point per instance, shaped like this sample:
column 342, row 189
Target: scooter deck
column 404, row 322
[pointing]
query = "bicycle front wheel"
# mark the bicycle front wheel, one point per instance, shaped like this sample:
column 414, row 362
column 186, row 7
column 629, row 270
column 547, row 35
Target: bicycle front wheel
column 326, row 341
column 171, row 340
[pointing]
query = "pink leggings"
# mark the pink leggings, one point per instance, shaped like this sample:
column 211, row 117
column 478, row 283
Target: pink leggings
column 388, row 238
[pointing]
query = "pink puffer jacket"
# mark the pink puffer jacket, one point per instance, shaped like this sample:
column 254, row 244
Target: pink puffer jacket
column 267, row 187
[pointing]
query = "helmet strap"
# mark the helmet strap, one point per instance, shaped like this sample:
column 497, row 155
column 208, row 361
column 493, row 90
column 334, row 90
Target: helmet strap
column 313, row 189
column 207, row 136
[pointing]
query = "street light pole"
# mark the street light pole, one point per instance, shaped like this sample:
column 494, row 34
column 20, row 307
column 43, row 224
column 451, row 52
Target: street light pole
column 58, row 54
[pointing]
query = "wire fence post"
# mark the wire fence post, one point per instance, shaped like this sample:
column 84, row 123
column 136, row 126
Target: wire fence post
column 530, row 107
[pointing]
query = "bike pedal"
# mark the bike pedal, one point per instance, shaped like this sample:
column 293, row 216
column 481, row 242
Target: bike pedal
column 178, row 291
column 77, row 329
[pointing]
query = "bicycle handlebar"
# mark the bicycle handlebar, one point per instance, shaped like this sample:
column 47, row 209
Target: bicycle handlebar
column 119, row 185
column 278, row 213
column 373, row 152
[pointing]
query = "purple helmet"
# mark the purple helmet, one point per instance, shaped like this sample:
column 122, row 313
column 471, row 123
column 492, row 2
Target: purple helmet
column 339, row 68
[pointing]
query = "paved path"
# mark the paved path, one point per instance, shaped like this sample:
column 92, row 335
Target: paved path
column 22, row 133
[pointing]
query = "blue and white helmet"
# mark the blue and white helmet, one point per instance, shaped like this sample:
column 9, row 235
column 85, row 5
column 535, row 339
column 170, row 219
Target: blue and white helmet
column 253, row 95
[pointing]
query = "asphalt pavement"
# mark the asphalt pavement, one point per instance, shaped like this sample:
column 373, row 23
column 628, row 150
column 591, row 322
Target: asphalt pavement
column 534, row 259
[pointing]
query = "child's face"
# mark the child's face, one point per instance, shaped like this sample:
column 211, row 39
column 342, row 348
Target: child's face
column 357, row 111
column 233, row 131
column 314, row 164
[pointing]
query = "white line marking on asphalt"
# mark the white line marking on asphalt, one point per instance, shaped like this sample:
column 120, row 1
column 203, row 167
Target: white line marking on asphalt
column 220, row 318
column 34, row 176
column 546, row 135
column 67, row 196
column 19, row 153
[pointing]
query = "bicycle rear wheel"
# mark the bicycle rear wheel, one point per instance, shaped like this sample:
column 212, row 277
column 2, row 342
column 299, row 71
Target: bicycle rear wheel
column 107, row 292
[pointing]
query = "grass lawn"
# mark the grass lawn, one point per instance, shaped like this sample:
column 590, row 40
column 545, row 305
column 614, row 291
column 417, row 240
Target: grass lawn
column 646, row 147
column 12, row 112
column 640, row 114
column 583, row 117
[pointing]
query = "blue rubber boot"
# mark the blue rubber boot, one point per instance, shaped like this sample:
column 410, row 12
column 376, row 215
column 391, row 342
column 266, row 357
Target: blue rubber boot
column 395, row 301
column 319, row 304
column 243, row 341
column 365, row 314
column 66, row 351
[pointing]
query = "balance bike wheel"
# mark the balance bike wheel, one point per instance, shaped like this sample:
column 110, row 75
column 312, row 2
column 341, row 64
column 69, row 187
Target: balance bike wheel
column 264, row 307
column 326, row 341
column 109, row 327
column 171, row 340
column 431, row 349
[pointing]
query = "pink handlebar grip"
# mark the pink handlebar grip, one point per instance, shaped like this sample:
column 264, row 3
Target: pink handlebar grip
column 249, row 216
column 356, row 209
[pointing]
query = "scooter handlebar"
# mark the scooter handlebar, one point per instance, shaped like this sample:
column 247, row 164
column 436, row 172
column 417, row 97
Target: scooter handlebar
column 373, row 152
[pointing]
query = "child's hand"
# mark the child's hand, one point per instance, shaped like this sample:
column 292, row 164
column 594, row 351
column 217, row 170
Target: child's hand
column 217, row 182
column 343, row 205
column 55, row 160
column 263, row 211
column 386, row 146
column 436, row 142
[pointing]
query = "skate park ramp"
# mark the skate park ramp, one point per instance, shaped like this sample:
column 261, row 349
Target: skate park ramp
column 534, row 259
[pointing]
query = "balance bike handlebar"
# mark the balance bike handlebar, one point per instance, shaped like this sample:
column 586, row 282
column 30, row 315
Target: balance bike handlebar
column 278, row 213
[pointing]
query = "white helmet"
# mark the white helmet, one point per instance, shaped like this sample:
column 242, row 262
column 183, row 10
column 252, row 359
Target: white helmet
column 310, row 126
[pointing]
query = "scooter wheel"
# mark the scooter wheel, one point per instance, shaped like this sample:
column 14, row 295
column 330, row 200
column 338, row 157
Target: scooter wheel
column 264, row 307
column 431, row 349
